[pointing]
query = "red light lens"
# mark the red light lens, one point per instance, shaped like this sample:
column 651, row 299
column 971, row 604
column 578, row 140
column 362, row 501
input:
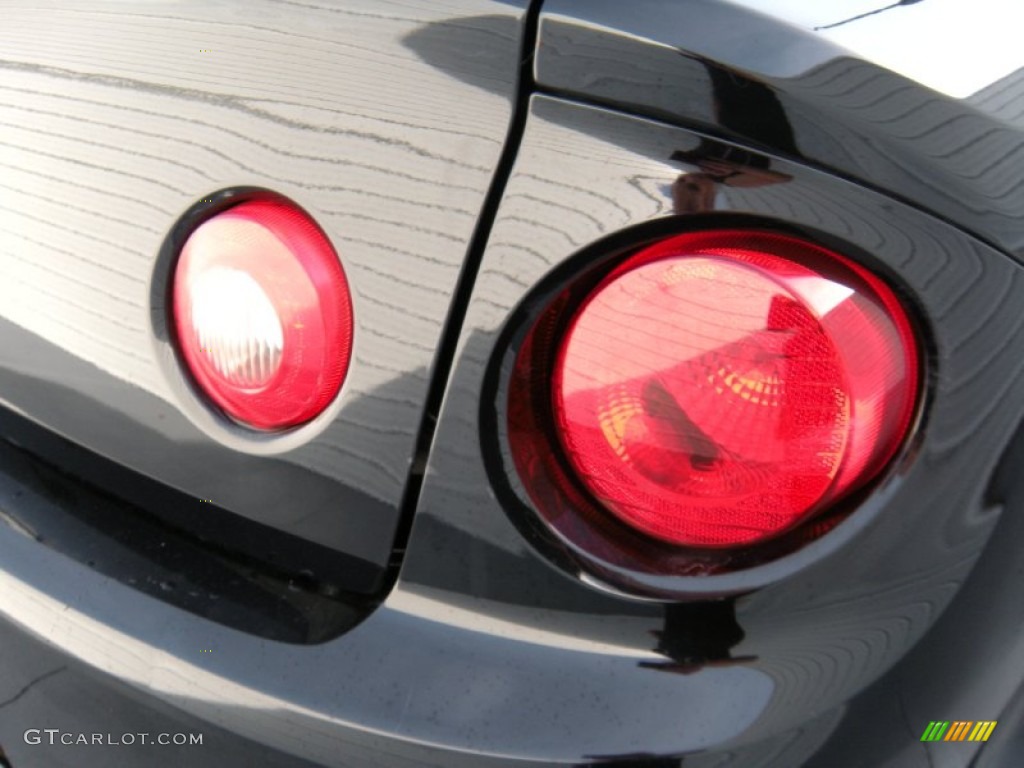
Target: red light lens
column 719, row 388
column 263, row 314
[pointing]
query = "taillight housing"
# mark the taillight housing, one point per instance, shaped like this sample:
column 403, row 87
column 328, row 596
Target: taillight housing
column 263, row 314
column 709, row 396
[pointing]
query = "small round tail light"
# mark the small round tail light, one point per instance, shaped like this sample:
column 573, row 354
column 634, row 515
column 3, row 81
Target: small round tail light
column 717, row 389
column 263, row 314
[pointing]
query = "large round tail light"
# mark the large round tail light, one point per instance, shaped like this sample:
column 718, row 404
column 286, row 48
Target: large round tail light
column 717, row 389
column 263, row 314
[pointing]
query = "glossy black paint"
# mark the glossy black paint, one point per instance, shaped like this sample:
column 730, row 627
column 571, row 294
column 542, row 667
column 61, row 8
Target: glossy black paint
column 488, row 652
column 110, row 158
column 716, row 66
column 823, row 622
column 290, row 551
column 170, row 554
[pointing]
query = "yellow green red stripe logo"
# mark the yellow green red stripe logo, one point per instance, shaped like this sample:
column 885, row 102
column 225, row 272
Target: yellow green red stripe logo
column 958, row 730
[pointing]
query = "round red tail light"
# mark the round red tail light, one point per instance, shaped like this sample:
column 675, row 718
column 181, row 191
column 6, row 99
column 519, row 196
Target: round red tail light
column 717, row 389
column 263, row 314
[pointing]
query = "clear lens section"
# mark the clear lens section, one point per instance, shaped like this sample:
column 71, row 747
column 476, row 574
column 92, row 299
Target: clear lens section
column 237, row 327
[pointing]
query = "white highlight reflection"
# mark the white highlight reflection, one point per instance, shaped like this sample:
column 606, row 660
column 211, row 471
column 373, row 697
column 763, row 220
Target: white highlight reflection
column 237, row 326
column 952, row 46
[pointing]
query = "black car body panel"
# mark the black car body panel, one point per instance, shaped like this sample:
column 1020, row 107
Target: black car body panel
column 758, row 79
column 496, row 643
column 121, row 121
